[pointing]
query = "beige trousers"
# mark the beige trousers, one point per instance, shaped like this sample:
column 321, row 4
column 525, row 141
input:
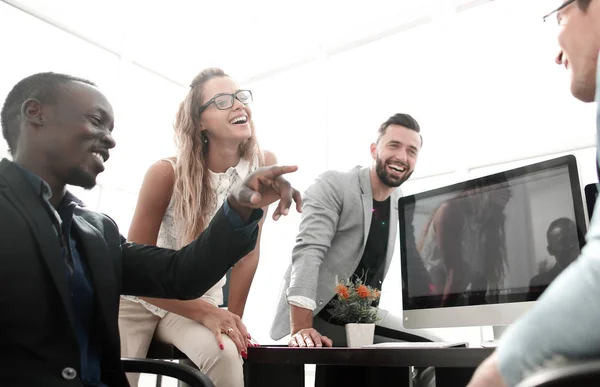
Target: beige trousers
column 137, row 327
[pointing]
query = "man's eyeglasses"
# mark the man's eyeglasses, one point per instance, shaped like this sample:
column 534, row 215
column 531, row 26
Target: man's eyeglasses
column 562, row 6
column 225, row 101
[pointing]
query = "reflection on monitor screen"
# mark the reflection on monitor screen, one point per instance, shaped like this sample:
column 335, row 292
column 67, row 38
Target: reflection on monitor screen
column 494, row 242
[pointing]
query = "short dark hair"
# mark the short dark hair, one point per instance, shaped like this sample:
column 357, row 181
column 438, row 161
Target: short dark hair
column 400, row 119
column 567, row 223
column 562, row 223
column 42, row 86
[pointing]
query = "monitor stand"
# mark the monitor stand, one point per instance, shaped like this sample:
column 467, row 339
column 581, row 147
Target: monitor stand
column 498, row 331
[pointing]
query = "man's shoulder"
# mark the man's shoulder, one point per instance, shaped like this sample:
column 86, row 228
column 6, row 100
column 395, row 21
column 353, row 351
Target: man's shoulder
column 336, row 175
column 335, row 182
column 102, row 222
column 542, row 279
column 8, row 171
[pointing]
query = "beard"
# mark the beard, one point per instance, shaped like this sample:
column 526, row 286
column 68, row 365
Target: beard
column 386, row 178
column 81, row 178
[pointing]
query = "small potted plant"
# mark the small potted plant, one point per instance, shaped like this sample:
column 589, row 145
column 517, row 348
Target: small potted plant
column 353, row 306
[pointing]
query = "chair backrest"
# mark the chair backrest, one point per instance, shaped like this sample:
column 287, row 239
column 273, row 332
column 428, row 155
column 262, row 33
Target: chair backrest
column 183, row 373
column 581, row 374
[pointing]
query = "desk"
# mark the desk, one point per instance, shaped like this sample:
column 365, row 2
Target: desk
column 283, row 366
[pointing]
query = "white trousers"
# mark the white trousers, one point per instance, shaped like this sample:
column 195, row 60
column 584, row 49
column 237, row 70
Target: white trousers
column 137, row 327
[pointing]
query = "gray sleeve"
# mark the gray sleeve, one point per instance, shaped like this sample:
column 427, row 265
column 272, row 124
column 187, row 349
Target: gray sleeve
column 320, row 215
column 563, row 324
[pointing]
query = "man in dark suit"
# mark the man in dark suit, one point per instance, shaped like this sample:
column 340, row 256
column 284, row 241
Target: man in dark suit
column 62, row 267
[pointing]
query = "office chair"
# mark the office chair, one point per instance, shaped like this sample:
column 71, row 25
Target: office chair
column 183, row 373
column 580, row 374
column 163, row 351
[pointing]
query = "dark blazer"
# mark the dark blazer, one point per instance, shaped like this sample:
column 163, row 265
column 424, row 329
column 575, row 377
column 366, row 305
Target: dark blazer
column 37, row 341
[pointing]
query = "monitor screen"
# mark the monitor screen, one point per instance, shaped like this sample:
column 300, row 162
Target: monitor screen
column 493, row 240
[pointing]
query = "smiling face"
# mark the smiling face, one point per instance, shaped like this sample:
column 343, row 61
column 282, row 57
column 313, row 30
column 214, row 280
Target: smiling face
column 76, row 134
column 395, row 155
column 229, row 124
column 579, row 41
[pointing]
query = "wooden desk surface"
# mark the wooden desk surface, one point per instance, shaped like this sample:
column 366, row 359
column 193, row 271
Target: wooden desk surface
column 396, row 357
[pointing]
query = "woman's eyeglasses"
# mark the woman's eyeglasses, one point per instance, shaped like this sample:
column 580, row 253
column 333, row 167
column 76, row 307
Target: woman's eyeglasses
column 225, row 101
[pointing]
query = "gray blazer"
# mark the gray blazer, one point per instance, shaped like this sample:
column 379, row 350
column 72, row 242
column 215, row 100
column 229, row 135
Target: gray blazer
column 336, row 217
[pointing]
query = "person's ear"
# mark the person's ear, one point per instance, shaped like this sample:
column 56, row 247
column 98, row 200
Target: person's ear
column 32, row 111
column 374, row 151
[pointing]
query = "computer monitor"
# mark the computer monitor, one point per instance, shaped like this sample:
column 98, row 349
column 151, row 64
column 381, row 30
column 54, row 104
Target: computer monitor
column 480, row 252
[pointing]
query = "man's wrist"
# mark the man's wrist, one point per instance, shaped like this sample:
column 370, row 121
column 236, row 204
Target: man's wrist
column 242, row 211
column 295, row 329
column 300, row 318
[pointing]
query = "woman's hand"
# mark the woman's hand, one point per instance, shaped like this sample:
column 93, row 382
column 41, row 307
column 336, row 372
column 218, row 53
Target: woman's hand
column 221, row 321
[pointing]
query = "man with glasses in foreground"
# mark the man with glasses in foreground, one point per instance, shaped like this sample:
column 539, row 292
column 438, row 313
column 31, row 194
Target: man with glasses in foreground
column 562, row 326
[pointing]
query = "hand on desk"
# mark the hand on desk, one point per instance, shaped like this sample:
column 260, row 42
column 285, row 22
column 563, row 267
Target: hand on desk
column 487, row 374
column 309, row 337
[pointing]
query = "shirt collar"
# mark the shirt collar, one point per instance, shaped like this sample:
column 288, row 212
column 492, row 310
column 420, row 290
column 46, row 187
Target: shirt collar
column 42, row 189
column 241, row 169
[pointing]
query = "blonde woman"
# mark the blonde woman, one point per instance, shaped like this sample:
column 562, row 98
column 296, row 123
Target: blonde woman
column 216, row 149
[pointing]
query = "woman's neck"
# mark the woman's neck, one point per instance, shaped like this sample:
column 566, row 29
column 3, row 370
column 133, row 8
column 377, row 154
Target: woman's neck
column 222, row 156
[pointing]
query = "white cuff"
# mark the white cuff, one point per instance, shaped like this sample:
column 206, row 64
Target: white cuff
column 302, row 302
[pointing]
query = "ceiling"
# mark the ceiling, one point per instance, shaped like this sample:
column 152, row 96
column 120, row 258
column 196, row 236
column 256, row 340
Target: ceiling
column 249, row 38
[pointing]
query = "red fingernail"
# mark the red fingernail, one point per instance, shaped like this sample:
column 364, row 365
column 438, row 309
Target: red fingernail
column 244, row 355
column 250, row 337
column 221, row 346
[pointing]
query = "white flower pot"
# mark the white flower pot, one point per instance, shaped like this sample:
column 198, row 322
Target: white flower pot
column 358, row 335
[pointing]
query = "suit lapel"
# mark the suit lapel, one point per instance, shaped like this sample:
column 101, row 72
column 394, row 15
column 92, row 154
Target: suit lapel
column 95, row 252
column 367, row 202
column 22, row 195
column 393, row 228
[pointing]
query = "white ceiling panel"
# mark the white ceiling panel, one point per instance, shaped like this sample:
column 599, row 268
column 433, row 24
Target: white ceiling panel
column 99, row 22
column 178, row 38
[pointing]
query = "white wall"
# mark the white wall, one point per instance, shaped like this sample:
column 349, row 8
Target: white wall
column 482, row 83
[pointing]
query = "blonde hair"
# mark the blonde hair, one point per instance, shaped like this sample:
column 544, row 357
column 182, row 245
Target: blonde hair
column 192, row 197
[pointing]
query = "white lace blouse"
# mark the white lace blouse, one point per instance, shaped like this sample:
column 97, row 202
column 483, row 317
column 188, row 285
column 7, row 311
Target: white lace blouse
column 222, row 184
